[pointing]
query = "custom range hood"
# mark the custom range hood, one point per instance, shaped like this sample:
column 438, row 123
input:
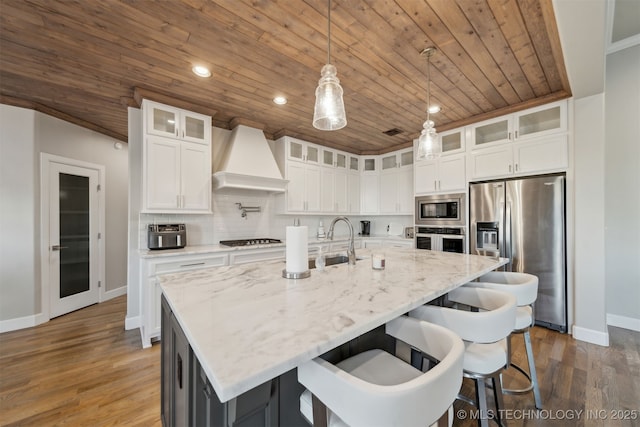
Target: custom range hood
column 248, row 163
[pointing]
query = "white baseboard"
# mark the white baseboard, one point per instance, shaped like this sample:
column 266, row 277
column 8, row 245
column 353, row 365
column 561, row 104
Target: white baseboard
column 589, row 335
column 132, row 322
column 36, row 319
column 623, row 322
column 22, row 322
column 107, row 295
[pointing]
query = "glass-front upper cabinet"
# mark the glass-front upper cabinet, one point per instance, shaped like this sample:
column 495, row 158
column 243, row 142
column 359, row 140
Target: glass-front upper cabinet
column 397, row 159
column 532, row 123
column 354, row 163
column 334, row 158
column 452, row 141
column 327, row 157
column 389, row 162
column 550, row 118
column 172, row 122
column 302, row 151
column 406, row 158
column 369, row 165
column 492, row 131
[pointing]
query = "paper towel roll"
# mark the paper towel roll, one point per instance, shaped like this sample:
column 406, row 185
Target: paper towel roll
column 297, row 250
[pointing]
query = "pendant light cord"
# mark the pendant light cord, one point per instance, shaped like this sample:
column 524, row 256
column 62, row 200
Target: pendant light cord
column 329, row 34
column 428, row 86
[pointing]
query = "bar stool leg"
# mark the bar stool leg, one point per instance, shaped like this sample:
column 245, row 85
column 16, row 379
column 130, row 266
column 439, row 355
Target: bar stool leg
column 497, row 395
column 532, row 370
column 481, row 399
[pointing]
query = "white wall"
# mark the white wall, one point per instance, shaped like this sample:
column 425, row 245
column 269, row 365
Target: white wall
column 589, row 172
column 19, row 253
column 622, row 188
column 24, row 135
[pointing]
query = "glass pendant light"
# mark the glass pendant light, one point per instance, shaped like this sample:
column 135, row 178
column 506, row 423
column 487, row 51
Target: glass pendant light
column 329, row 113
column 428, row 142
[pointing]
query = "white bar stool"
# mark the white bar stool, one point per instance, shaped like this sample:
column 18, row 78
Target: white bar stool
column 484, row 332
column 524, row 287
column 375, row 388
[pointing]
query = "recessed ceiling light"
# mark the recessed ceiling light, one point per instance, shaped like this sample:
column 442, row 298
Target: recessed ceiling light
column 201, row 71
column 434, row 109
column 280, row 100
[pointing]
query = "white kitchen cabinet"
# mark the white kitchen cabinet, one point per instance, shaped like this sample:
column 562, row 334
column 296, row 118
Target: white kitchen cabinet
column 176, row 176
column 387, row 243
column 333, row 158
column 303, row 190
column 539, row 156
column 536, row 122
column 369, row 192
column 369, row 185
column 396, row 192
column 452, row 141
column 354, row 164
column 172, row 122
column 353, row 193
column 333, row 191
column 151, row 292
column 370, row 165
column 446, row 173
column 302, row 151
column 344, row 246
column 396, row 243
column 257, row 255
column 396, row 183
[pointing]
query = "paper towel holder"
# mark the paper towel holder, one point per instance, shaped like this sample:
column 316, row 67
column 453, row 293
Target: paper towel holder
column 290, row 275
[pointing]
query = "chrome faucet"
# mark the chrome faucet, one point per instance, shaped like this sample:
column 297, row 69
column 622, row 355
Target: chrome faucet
column 351, row 252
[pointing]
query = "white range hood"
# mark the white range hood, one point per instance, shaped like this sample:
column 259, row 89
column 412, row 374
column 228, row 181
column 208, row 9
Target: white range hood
column 248, row 163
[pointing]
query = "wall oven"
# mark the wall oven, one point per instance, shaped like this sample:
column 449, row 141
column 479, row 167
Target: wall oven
column 441, row 210
column 446, row 239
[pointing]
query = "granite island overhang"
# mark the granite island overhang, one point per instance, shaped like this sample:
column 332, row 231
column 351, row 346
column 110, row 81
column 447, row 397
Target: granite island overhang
column 247, row 324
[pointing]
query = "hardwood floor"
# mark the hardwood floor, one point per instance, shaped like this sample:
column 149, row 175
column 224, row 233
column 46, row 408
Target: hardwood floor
column 84, row 369
column 80, row 369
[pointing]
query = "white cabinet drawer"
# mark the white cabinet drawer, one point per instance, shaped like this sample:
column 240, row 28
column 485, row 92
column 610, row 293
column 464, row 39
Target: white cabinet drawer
column 188, row 263
column 244, row 257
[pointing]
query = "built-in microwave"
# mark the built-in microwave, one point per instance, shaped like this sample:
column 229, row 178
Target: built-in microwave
column 441, row 209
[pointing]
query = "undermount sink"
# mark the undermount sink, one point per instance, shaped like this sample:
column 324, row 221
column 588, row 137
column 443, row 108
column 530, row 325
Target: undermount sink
column 331, row 260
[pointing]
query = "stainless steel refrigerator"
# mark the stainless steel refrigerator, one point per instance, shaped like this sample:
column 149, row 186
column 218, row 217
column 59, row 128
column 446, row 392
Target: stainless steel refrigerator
column 524, row 220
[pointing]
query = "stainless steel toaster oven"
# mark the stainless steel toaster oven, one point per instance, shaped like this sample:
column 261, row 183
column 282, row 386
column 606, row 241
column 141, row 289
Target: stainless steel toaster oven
column 166, row 236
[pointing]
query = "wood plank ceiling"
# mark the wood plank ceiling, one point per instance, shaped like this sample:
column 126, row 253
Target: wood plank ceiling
column 85, row 61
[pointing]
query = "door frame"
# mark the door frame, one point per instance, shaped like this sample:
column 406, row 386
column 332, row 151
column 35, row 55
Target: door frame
column 45, row 161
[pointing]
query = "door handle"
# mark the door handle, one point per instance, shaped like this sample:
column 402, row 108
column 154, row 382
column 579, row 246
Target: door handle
column 58, row 247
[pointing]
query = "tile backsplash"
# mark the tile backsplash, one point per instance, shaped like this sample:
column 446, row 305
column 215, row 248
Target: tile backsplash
column 227, row 223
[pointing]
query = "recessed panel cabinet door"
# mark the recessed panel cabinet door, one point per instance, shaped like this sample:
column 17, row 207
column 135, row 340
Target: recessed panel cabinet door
column 296, row 187
column 196, row 176
column 452, row 173
column 162, row 173
column 341, row 186
column 426, row 176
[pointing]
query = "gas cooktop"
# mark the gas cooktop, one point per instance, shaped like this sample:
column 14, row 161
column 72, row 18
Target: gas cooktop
column 249, row 242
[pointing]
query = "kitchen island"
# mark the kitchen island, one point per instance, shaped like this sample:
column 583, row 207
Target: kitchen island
column 246, row 325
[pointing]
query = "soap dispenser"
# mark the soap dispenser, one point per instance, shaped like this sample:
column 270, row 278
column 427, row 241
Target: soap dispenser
column 320, row 261
column 321, row 234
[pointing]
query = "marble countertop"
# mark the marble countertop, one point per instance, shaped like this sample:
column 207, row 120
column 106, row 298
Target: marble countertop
column 247, row 324
column 206, row 249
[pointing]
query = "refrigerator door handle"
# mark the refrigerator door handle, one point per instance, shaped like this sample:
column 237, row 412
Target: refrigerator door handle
column 508, row 241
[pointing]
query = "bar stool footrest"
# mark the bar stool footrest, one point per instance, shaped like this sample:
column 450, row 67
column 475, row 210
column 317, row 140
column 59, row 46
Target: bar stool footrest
column 521, row 390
